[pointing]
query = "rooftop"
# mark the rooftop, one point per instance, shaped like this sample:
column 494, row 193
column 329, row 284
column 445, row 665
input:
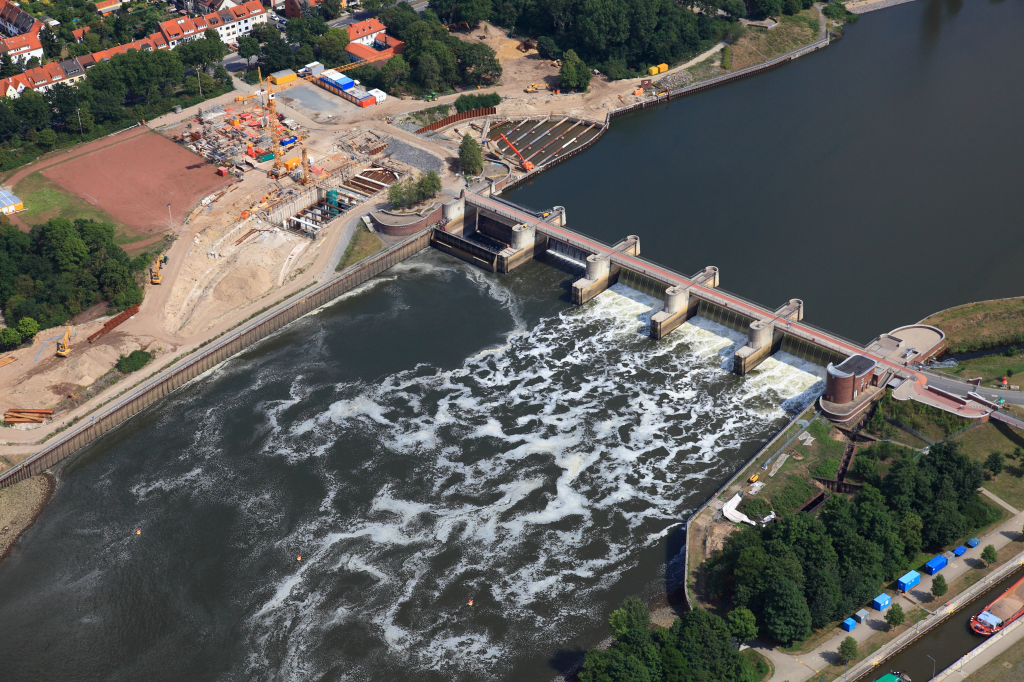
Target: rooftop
column 855, row 365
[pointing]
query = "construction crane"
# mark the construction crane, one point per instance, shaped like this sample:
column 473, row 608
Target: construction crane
column 305, row 179
column 527, row 165
column 64, row 345
column 154, row 276
column 278, row 169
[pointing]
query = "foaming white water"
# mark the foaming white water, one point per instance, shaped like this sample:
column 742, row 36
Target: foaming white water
column 530, row 480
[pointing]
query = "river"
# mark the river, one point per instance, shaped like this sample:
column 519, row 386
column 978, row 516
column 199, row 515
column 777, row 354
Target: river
column 878, row 179
column 442, row 434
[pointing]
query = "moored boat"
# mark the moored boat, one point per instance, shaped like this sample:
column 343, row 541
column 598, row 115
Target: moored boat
column 1008, row 607
column 894, row 676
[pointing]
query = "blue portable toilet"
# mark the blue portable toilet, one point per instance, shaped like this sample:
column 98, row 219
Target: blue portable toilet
column 908, row 581
column 959, row 551
column 849, row 624
column 973, row 542
column 935, row 565
column 881, row 602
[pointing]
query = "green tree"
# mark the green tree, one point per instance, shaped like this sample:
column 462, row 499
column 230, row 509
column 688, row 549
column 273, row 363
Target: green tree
column 51, row 42
column 248, row 48
column 895, row 616
column 428, row 186
column 765, row 8
column 28, row 327
column 939, row 586
column 47, row 138
column 428, row 73
column 202, row 84
column 574, row 74
column 742, row 624
column 792, row 7
column 632, row 615
column 785, row 616
column 394, row 71
column 276, row 54
column 398, row 18
column 10, row 337
column 989, row 555
column 735, row 8
column 548, row 49
column 994, row 462
column 397, row 194
column 7, row 66
column 330, row 9
column 470, row 156
column 331, row 46
column 848, row 649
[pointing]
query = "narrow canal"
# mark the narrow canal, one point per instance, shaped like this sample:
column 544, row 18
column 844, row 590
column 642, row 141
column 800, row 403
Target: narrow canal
column 945, row 644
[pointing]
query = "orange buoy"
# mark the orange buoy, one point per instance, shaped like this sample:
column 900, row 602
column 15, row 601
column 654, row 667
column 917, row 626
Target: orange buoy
column 299, row 558
column 138, row 531
column 470, row 602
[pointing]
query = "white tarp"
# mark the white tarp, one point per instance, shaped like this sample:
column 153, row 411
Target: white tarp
column 729, row 511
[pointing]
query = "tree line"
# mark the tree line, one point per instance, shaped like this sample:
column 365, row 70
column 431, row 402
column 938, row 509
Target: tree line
column 59, row 269
column 801, row 573
column 129, row 88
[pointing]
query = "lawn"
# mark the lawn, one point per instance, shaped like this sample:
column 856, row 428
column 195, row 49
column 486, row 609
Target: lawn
column 760, row 45
column 363, row 245
column 45, row 199
column 984, row 439
column 991, row 368
column 791, row 488
column 981, row 325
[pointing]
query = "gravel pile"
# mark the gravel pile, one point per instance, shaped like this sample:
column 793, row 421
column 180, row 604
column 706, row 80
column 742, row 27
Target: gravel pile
column 414, row 156
column 676, row 80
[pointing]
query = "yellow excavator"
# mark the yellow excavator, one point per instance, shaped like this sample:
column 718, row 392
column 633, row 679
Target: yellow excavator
column 64, row 345
column 154, row 276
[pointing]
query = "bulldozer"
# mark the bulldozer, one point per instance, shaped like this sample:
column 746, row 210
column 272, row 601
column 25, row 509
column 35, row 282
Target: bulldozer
column 64, row 345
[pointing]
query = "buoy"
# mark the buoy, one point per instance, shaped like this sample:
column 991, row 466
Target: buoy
column 138, row 531
column 470, row 602
column 299, row 558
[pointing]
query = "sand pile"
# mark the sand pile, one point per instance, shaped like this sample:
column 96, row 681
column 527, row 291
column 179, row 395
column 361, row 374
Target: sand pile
column 241, row 285
column 510, row 107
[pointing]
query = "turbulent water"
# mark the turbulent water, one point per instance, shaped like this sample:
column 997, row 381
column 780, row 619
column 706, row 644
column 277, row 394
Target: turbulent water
column 439, row 436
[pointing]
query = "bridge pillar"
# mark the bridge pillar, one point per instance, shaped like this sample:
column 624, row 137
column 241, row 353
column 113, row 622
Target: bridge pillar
column 599, row 278
column 675, row 312
column 521, row 250
column 759, row 346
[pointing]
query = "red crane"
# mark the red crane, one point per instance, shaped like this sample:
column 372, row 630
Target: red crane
column 527, row 165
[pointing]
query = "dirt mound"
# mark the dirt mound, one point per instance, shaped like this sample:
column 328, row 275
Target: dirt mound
column 242, row 285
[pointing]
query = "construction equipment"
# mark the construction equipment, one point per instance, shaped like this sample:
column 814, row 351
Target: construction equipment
column 527, row 45
column 462, row 26
column 527, row 165
column 244, row 98
column 305, row 179
column 154, row 275
column 278, row 169
column 557, row 62
column 15, row 415
column 64, row 345
column 534, row 87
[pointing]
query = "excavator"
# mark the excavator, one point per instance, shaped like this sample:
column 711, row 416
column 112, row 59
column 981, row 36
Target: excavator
column 534, row 87
column 527, row 165
column 64, row 345
column 155, row 277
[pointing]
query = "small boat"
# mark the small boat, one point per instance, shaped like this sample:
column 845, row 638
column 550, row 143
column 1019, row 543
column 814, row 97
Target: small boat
column 1008, row 607
column 894, row 676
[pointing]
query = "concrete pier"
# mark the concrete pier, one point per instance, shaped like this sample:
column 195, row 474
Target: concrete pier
column 764, row 338
column 601, row 271
column 675, row 312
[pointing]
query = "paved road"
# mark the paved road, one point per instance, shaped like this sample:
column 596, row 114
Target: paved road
column 961, row 388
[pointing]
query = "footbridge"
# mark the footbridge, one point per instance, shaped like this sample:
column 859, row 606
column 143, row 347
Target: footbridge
column 502, row 236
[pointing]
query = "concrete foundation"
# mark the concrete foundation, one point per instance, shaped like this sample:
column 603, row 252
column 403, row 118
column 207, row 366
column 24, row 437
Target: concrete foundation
column 599, row 278
column 759, row 346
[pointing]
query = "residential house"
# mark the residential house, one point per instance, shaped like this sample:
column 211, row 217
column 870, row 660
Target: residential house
column 74, row 71
column 368, row 41
column 105, row 7
column 15, row 21
column 79, row 33
column 298, row 8
column 22, row 47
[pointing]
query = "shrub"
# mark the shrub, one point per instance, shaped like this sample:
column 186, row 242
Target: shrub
column 471, row 102
column 10, row 337
column 28, row 327
column 726, row 57
column 792, row 7
column 136, row 360
column 736, row 31
column 547, row 48
column 826, row 468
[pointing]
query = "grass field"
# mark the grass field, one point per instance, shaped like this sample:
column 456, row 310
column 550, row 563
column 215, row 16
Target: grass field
column 363, row 245
column 991, row 368
column 45, row 199
column 981, row 325
column 982, row 440
column 759, row 45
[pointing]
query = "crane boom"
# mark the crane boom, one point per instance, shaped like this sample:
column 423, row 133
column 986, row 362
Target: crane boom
column 527, row 165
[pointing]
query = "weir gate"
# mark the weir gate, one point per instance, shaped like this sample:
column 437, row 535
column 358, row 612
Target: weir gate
column 500, row 236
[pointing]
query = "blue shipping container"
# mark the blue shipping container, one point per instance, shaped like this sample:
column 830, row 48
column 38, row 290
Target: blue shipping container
column 959, row 551
column 973, row 542
column 849, row 624
column 345, row 82
column 935, row 565
column 908, row 581
column 881, row 602
column 287, row 141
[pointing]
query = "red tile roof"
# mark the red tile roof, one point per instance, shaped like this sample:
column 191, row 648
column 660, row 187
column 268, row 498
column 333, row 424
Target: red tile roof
column 365, row 28
column 79, row 33
column 19, row 44
column 361, row 51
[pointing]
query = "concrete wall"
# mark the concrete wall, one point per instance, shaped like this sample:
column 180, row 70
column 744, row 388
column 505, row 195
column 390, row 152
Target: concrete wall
column 411, row 228
column 231, row 344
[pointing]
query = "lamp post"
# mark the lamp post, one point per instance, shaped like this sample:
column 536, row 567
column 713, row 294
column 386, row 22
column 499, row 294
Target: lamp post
column 81, row 132
column 933, row 666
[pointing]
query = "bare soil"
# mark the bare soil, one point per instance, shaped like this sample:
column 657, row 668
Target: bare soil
column 20, row 505
column 137, row 178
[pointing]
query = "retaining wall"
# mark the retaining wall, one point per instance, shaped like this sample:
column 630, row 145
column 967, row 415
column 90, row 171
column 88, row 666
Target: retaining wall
column 455, row 118
column 231, row 344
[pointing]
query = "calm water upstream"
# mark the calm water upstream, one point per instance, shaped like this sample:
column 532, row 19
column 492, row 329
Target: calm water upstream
column 878, row 180
column 444, row 435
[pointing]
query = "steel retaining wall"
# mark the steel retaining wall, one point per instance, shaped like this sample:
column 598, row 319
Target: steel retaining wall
column 455, row 118
column 233, row 343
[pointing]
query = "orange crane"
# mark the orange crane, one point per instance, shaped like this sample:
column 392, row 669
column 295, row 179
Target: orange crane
column 271, row 110
column 527, row 165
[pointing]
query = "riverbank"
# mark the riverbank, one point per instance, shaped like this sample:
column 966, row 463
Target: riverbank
column 20, row 506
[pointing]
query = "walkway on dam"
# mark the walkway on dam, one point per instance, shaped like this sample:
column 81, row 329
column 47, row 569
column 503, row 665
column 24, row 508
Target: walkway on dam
column 918, row 387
